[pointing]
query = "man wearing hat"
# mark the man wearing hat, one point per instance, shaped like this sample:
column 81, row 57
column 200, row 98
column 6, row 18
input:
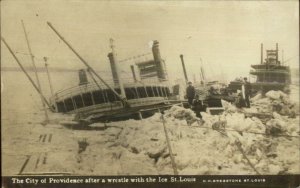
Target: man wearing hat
column 246, row 92
column 190, row 93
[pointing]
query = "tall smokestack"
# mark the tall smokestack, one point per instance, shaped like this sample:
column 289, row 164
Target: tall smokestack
column 276, row 53
column 261, row 53
column 158, row 60
column 133, row 73
column 113, row 68
column 82, row 77
column 183, row 66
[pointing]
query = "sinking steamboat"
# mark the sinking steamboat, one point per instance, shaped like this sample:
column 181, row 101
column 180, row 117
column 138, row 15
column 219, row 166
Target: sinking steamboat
column 117, row 100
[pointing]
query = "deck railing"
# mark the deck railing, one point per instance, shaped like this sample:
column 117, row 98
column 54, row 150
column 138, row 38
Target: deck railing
column 91, row 87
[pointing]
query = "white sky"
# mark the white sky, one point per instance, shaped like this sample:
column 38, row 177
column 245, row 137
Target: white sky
column 226, row 35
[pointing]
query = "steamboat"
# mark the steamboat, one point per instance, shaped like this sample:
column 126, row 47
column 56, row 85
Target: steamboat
column 103, row 101
column 270, row 74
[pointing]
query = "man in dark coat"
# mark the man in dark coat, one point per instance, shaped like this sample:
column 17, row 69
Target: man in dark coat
column 247, row 90
column 198, row 106
column 190, row 93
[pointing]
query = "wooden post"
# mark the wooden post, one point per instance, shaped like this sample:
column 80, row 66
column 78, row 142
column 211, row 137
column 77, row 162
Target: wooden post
column 36, row 74
column 169, row 147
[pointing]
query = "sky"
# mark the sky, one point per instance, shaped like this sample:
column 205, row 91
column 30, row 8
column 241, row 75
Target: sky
column 224, row 35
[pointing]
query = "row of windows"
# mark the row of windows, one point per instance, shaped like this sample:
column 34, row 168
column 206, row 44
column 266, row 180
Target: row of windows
column 107, row 96
column 273, row 78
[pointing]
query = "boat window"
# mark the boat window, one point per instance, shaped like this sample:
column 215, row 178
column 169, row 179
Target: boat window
column 142, row 92
column 87, row 99
column 78, row 101
column 61, row 106
column 69, row 104
column 160, row 91
column 164, row 91
column 130, row 93
column 150, row 91
column 110, row 95
column 119, row 92
column 168, row 92
column 98, row 97
column 155, row 91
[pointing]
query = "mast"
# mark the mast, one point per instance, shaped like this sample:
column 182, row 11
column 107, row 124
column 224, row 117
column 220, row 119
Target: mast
column 277, row 53
column 49, row 78
column 202, row 71
column 27, row 75
column 124, row 101
column 261, row 53
column 282, row 57
column 35, row 71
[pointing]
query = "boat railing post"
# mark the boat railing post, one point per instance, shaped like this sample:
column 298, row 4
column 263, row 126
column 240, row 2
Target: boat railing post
column 152, row 91
column 146, row 91
column 140, row 115
column 137, row 93
column 92, row 96
column 157, row 91
column 74, row 104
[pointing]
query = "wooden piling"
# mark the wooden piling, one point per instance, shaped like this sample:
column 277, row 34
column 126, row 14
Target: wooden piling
column 25, row 164
column 169, row 147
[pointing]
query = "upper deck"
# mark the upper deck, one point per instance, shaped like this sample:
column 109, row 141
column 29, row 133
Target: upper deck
column 91, row 95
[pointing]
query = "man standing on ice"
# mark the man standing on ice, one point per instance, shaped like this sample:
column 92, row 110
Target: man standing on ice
column 198, row 106
column 190, row 93
column 246, row 91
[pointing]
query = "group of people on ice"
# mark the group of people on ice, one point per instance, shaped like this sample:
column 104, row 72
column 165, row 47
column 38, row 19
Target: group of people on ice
column 197, row 105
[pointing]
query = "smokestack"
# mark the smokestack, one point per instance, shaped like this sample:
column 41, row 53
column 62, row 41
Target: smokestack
column 184, row 70
column 82, row 77
column 261, row 53
column 276, row 53
column 133, row 73
column 113, row 68
column 158, row 60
